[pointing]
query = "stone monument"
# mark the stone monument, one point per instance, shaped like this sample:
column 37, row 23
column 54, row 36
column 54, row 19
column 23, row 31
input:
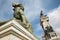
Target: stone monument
column 18, row 28
column 49, row 33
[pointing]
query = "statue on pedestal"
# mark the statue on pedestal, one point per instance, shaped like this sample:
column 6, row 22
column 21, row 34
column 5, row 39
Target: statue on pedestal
column 20, row 17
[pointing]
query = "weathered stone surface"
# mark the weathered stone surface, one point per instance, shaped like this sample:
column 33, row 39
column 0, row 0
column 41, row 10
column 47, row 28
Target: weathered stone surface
column 49, row 33
column 13, row 29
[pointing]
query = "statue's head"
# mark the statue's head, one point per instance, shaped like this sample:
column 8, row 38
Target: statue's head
column 15, row 5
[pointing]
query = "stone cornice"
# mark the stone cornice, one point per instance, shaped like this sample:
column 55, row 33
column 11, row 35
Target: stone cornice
column 13, row 26
column 12, row 30
column 13, row 33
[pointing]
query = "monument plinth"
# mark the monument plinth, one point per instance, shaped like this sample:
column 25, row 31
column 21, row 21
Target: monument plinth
column 14, row 31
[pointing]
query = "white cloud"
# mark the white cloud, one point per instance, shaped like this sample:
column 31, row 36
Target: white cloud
column 32, row 10
column 54, row 16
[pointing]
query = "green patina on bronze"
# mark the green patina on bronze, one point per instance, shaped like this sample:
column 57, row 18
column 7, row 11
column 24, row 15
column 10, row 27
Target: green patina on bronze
column 20, row 17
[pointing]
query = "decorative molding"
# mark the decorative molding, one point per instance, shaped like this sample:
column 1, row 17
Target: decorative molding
column 12, row 25
column 13, row 33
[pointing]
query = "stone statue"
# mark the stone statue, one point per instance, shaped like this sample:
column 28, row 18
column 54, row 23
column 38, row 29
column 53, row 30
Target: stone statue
column 47, row 28
column 19, row 15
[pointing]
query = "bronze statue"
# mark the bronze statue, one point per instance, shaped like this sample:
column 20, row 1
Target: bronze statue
column 20, row 17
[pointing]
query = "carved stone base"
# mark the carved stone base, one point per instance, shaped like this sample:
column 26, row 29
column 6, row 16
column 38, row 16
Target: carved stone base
column 53, row 38
column 10, row 37
column 14, row 31
column 57, row 38
column 52, row 35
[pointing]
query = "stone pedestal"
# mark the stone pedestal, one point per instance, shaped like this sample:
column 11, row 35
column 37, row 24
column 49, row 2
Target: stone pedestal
column 14, row 31
column 52, row 38
column 55, row 38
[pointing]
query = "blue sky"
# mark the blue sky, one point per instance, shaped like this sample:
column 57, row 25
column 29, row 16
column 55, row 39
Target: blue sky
column 32, row 12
